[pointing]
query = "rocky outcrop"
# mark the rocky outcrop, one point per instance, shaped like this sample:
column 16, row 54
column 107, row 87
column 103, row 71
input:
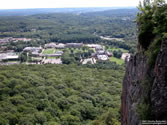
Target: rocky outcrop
column 133, row 89
column 159, row 88
column 135, row 72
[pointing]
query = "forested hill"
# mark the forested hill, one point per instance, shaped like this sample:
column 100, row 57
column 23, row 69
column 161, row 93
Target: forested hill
column 71, row 27
column 121, row 12
column 26, row 12
column 59, row 95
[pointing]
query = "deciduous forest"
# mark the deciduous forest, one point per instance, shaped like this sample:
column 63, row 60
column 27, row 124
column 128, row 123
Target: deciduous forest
column 59, row 94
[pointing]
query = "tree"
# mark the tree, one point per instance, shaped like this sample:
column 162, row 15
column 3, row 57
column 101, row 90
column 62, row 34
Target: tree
column 117, row 54
column 23, row 57
column 146, row 20
column 66, row 59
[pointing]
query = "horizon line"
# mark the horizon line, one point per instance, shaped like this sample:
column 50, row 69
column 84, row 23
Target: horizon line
column 68, row 7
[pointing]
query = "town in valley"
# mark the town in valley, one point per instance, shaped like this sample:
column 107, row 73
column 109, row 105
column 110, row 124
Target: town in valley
column 58, row 53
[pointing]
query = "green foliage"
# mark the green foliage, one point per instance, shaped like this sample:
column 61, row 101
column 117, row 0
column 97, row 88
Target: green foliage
column 152, row 21
column 67, row 59
column 23, row 57
column 153, row 51
column 118, row 61
column 68, row 27
column 109, row 118
column 115, row 64
column 59, row 94
column 117, row 54
column 145, row 24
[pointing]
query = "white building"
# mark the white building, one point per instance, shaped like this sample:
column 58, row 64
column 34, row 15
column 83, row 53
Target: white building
column 102, row 57
column 91, row 60
column 125, row 56
column 8, row 56
column 52, row 61
column 32, row 49
column 93, row 45
column 50, row 45
column 60, row 46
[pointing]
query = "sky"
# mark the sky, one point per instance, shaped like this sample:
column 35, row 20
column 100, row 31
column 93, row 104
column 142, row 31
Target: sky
column 20, row 4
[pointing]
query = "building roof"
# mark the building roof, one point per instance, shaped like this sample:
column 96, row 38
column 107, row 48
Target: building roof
column 60, row 45
column 31, row 49
column 52, row 61
column 100, row 52
column 125, row 56
column 109, row 53
column 93, row 45
column 74, row 45
column 102, row 57
column 99, row 48
column 12, row 57
column 91, row 60
column 50, row 45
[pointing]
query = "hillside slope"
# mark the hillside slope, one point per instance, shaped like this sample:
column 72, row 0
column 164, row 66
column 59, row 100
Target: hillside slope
column 59, row 95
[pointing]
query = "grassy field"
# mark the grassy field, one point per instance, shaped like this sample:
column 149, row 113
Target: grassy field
column 111, row 49
column 118, row 61
column 49, row 51
column 123, row 50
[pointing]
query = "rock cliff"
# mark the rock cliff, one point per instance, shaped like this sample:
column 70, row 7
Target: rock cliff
column 143, row 83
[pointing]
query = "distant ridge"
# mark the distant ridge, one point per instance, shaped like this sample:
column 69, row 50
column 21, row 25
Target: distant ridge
column 32, row 11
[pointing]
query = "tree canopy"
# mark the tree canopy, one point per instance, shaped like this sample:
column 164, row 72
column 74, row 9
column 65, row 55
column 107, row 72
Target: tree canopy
column 59, row 95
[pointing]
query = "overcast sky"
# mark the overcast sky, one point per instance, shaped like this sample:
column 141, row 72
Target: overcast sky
column 19, row 4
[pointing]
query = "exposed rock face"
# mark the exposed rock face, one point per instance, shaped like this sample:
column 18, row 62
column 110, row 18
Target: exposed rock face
column 132, row 93
column 159, row 88
column 135, row 73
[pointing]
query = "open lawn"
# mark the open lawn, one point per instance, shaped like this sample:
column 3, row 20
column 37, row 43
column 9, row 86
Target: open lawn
column 111, row 49
column 118, row 61
column 49, row 51
column 123, row 50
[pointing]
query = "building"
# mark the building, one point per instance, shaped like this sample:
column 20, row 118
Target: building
column 12, row 57
column 74, row 45
column 50, row 45
column 8, row 56
column 59, row 52
column 88, row 60
column 102, row 57
column 109, row 54
column 60, row 46
column 20, row 39
column 32, row 49
column 99, row 48
column 93, row 55
column 54, row 45
column 100, row 52
column 11, row 39
column 93, row 45
column 3, row 56
column 125, row 56
column 5, row 40
column 52, row 61
column 35, row 53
